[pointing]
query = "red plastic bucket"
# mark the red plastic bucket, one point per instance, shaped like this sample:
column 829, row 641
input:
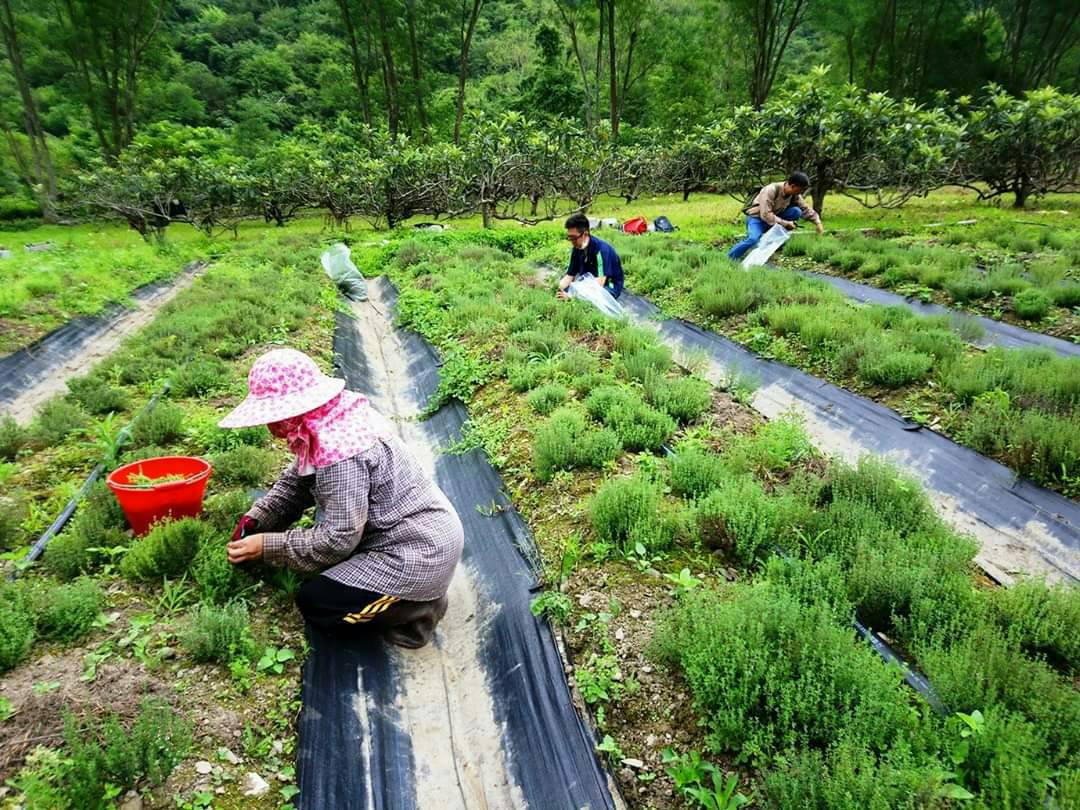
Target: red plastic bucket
column 144, row 505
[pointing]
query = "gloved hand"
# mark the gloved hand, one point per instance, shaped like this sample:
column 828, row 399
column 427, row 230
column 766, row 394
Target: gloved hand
column 246, row 526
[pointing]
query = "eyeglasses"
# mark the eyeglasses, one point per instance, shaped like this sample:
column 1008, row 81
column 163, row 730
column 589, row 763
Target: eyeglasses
column 574, row 237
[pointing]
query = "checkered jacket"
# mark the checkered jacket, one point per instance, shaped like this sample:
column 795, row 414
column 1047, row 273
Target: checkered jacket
column 386, row 526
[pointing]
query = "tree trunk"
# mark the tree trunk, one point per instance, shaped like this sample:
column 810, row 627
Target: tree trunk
column 467, row 30
column 822, row 186
column 42, row 178
column 571, row 27
column 393, row 111
column 417, row 76
column 486, row 213
column 613, row 79
column 359, row 68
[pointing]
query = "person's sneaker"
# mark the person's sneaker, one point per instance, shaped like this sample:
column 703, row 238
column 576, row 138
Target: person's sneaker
column 418, row 629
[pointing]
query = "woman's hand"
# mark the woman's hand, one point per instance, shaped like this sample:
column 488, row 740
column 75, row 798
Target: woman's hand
column 246, row 548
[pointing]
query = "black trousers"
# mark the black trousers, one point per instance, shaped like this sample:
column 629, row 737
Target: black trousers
column 331, row 605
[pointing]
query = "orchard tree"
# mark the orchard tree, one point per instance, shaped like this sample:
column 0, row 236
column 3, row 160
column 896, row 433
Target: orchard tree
column 869, row 146
column 1026, row 146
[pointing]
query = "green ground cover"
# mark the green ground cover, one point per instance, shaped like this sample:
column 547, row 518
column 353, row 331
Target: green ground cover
column 1028, row 275
column 1020, row 407
column 781, row 691
column 215, row 649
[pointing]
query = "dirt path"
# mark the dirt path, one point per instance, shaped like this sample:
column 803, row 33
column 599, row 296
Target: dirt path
column 446, row 706
column 44, row 372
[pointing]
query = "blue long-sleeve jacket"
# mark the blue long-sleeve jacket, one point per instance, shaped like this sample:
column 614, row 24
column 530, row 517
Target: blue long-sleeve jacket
column 598, row 258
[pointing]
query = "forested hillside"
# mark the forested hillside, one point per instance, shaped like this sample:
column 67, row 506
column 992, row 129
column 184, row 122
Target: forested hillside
column 81, row 77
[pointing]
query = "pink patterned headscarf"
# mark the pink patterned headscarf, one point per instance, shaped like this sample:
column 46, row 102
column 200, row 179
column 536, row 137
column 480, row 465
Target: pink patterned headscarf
column 344, row 427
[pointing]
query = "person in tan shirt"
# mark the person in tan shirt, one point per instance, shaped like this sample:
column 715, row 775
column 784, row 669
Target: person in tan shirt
column 781, row 203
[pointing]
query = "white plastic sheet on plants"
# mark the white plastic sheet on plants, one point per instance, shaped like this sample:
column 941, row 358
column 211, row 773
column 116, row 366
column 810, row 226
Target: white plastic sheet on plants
column 337, row 264
column 766, row 246
column 588, row 290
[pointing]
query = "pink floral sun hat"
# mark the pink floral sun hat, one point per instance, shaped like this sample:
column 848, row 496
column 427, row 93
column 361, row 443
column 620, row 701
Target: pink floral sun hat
column 283, row 383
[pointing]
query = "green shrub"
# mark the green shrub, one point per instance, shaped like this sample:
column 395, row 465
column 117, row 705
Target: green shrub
column 160, row 426
column 218, row 634
column 218, row 580
column 166, row 551
column 628, row 511
column 894, row 368
column 567, row 441
column 546, row 398
column 541, row 344
column 201, row 377
column 223, row 510
column 98, row 523
column 588, row 383
column 646, row 363
column 1032, row 304
column 851, row 776
column 696, row 472
column 13, row 437
column 684, row 399
column 57, row 420
column 16, row 626
column 96, row 395
column 847, row 260
column 13, row 512
column 578, row 362
column 67, row 612
column 967, row 287
column 245, row 466
column 638, row 426
column 738, row 518
column 115, row 756
column 899, row 500
column 1066, row 295
column 769, row 674
column 1044, row 620
column 773, row 446
column 528, row 375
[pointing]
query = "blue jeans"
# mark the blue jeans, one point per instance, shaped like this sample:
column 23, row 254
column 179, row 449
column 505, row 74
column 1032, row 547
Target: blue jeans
column 755, row 227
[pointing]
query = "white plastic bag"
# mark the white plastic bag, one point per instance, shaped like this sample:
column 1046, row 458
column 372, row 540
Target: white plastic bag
column 587, row 289
column 766, row 246
column 337, row 264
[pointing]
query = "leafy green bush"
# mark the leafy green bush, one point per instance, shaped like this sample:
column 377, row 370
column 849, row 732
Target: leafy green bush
column 218, row 634
column 96, row 395
column 769, row 674
column 1032, row 304
column 848, row 775
column 157, row 741
column 98, row 524
column 13, row 438
column 578, row 362
column 245, row 466
column 894, row 368
column 684, row 399
column 67, row 612
column 166, row 551
column 218, row 580
column 847, row 260
column 638, row 426
column 1066, row 295
column 1044, row 620
column 57, row 420
column 967, row 287
column 546, row 398
column 200, row 377
column 12, row 513
column 223, row 510
column 16, row 626
column 897, row 499
column 567, row 441
column 525, row 376
column 696, row 472
column 773, row 446
column 160, row 426
column 646, row 362
column 737, row 517
column 628, row 511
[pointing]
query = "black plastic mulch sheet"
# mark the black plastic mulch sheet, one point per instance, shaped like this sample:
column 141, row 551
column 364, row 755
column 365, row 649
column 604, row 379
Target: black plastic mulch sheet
column 30, row 365
column 548, row 750
column 997, row 333
column 1025, row 515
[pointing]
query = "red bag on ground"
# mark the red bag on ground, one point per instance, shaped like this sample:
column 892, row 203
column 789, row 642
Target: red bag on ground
column 636, row 225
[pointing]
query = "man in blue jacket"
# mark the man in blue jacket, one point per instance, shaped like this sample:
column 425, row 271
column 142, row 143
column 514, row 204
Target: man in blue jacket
column 591, row 256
